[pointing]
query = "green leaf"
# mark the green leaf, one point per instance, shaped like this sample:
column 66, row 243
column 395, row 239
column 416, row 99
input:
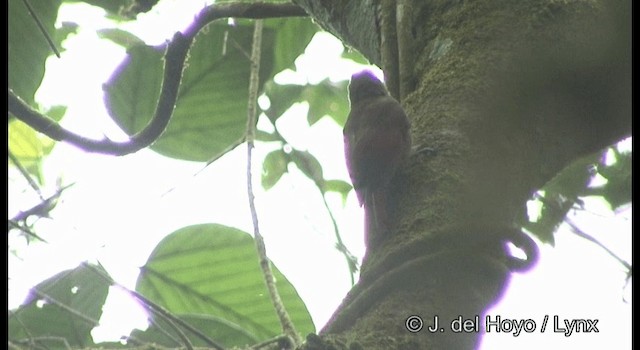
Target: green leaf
column 28, row 48
column 273, row 167
column 30, row 147
column 56, row 112
column 339, row 186
column 327, row 98
column 221, row 331
column 617, row 190
column 210, row 114
column 213, row 270
column 120, row 37
column 267, row 136
column 281, row 98
column 309, row 165
column 292, row 37
column 66, row 307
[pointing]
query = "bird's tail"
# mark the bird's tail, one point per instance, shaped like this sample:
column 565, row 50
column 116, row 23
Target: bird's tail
column 375, row 216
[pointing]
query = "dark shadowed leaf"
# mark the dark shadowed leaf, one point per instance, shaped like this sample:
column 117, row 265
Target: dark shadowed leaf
column 63, row 308
column 210, row 114
column 560, row 196
column 213, row 270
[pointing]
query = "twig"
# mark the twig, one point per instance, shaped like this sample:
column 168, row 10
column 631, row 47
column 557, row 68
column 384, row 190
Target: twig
column 268, row 342
column 25, row 174
column 580, row 233
column 42, row 29
column 15, row 225
column 43, row 208
column 351, row 260
column 285, row 320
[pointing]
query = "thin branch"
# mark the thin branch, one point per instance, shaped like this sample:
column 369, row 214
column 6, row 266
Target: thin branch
column 175, row 58
column 16, row 225
column 340, row 246
column 351, row 260
column 256, row 10
column 25, row 174
column 580, row 233
column 42, row 29
column 285, row 321
column 43, row 208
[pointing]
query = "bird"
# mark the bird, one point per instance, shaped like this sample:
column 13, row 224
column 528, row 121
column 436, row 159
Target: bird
column 376, row 142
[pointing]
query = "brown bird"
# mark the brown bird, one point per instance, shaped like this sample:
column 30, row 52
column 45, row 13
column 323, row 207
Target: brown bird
column 376, row 141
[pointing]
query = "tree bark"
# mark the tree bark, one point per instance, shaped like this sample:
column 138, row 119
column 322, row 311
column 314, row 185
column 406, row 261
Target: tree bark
column 505, row 94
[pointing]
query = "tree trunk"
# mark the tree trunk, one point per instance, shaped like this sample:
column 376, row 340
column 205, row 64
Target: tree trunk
column 505, row 94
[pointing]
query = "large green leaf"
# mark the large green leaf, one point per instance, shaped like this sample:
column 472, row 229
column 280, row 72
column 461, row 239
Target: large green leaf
column 213, row 270
column 63, row 308
column 28, row 48
column 210, row 114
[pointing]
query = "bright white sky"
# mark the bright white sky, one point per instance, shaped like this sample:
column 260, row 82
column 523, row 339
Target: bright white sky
column 119, row 208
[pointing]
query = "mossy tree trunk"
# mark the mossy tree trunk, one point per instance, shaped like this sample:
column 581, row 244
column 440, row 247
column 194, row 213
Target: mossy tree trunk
column 505, row 93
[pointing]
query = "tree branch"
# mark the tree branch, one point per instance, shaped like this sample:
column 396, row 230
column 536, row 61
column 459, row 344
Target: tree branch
column 25, row 174
column 175, row 57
